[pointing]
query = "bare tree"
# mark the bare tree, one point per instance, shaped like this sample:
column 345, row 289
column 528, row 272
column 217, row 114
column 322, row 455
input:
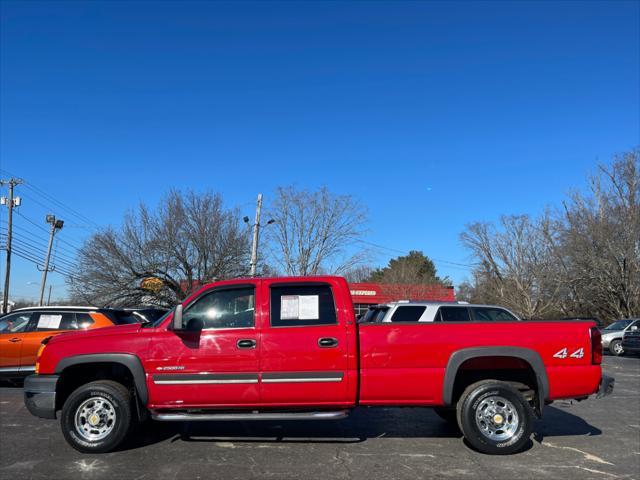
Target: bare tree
column 158, row 256
column 516, row 268
column 583, row 260
column 359, row 274
column 316, row 231
column 599, row 241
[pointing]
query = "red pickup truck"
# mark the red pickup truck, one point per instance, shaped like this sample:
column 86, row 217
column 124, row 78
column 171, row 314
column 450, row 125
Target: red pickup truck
column 290, row 348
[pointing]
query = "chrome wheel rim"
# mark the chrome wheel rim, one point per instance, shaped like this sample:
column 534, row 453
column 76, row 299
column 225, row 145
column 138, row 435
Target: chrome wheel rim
column 497, row 418
column 95, row 418
column 617, row 348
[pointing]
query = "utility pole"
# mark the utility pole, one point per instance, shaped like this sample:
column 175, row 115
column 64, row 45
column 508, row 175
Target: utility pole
column 49, row 298
column 10, row 202
column 256, row 234
column 55, row 225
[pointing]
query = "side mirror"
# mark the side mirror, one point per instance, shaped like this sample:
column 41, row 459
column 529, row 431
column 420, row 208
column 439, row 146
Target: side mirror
column 634, row 328
column 177, row 318
column 195, row 325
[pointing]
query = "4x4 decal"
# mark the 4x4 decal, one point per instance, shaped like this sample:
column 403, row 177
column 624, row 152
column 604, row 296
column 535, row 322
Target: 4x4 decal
column 564, row 353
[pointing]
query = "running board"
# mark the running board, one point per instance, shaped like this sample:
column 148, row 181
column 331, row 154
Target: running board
column 242, row 416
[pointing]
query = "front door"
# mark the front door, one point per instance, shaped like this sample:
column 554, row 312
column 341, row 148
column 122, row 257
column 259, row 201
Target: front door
column 305, row 346
column 12, row 332
column 215, row 367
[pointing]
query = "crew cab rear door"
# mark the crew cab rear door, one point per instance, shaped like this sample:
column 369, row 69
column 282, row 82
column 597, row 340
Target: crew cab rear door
column 308, row 345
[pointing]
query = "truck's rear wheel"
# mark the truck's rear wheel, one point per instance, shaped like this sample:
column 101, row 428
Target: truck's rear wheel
column 494, row 417
column 96, row 417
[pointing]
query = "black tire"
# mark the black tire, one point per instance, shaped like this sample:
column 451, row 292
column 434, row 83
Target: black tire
column 449, row 415
column 117, row 396
column 615, row 348
column 477, row 396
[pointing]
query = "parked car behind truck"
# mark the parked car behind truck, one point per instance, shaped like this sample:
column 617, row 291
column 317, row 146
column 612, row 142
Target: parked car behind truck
column 289, row 348
column 612, row 334
column 631, row 339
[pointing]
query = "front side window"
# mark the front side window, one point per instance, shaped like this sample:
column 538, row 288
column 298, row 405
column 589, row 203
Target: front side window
column 227, row 308
column 410, row 313
column 489, row 314
column 14, row 323
column 453, row 314
column 302, row 305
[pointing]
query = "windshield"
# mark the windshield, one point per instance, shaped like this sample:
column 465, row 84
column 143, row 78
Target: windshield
column 157, row 322
column 619, row 325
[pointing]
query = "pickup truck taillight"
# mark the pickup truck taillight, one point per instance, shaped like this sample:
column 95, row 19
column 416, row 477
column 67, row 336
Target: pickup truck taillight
column 39, row 354
column 596, row 346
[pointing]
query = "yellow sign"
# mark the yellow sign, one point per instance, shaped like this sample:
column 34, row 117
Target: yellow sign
column 153, row 284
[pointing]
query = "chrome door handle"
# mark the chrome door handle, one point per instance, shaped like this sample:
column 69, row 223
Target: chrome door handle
column 246, row 343
column 327, row 342
column 15, row 339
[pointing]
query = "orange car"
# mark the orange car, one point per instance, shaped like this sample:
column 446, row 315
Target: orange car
column 21, row 332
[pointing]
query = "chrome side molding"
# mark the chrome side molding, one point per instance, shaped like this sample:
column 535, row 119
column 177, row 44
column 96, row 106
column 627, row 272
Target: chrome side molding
column 242, row 416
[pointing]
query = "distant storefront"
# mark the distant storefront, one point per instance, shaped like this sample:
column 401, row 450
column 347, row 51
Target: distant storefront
column 366, row 294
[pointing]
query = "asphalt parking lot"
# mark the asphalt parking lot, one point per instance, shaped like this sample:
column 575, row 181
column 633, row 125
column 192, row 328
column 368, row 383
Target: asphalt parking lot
column 592, row 439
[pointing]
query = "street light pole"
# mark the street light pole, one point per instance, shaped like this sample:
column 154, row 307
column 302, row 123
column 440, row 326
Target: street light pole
column 253, row 264
column 55, row 225
column 256, row 233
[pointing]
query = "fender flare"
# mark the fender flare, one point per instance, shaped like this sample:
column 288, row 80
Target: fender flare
column 132, row 362
column 459, row 357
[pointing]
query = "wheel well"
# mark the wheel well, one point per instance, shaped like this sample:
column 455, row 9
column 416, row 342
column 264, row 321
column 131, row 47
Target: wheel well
column 515, row 371
column 74, row 376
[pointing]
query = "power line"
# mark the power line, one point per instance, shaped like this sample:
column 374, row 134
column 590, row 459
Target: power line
column 30, row 258
column 40, row 227
column 40, row 250
column 38, row 191
column 69, row 250
column 461, row 266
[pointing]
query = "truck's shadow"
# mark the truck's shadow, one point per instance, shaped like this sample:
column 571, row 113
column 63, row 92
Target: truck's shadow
column 362, row 425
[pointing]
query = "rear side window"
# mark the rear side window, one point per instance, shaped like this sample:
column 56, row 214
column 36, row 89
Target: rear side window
column 302, row 305
column 488, row 314
column 50, row 321
column 453, row 314
column 374, row 315
column 83, row 320
column 410, row 313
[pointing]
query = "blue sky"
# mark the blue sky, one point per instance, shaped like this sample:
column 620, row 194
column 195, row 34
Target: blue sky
column 432, row 114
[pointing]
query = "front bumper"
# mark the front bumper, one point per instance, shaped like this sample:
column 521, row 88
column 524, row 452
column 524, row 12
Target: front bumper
column 40, row 395
column 606, row 386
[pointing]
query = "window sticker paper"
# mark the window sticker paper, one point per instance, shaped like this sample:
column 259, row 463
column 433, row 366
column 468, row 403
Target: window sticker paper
column 289, row 307
column 49, row 321
column 309, row 307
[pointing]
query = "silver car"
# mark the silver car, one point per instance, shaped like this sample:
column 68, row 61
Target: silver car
column 434, row 311
column 612, row 335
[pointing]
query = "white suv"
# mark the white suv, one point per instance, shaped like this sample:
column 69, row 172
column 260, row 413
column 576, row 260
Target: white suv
column 422, row 311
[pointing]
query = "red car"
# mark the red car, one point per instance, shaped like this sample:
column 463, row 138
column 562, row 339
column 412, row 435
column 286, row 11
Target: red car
column 289, row 348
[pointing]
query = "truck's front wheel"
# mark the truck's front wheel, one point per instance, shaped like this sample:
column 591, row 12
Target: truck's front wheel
column 96, row 417
column 495, row 418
